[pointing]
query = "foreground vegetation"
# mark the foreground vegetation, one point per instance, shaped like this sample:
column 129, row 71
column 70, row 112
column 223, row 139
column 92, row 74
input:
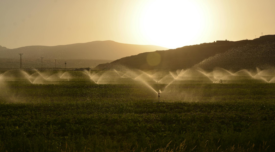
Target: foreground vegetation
column 88, row 117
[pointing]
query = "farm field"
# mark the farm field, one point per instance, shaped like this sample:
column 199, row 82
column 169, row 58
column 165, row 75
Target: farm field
column 80, row 111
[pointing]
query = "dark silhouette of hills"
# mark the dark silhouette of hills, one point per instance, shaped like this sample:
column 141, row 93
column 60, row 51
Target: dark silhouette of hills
column 82, row 55
column 103, row 50
column 226, row 54
column 2, row 48
column 248, row 56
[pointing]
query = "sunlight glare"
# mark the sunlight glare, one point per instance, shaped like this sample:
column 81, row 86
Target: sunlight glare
column 171, row 23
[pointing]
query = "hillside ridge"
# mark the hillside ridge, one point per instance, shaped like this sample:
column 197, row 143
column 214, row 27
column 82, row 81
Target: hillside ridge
column 189, row 56
column 103, row 50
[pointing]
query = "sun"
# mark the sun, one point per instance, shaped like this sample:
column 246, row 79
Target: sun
column 171, row 23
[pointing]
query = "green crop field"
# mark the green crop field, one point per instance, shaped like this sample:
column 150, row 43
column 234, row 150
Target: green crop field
column 99, row 111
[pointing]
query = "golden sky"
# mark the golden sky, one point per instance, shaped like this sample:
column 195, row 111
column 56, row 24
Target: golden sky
column 167, row 23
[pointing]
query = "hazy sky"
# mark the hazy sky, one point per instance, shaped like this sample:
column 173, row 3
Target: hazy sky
column 168, row 23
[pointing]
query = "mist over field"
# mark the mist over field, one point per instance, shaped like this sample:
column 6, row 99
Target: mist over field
column 46, row 63
column 164, row 83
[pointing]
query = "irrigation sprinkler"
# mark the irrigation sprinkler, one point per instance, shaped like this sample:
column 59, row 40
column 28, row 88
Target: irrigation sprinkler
column 159, row 95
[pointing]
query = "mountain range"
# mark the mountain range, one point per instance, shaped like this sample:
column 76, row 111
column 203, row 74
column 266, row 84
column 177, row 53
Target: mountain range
column 233, row 55
column 87, row 53
column 104, row 50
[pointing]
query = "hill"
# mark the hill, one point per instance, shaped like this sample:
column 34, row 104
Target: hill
column 78, row 55
column 106, row 50
column 228, row 54
column 248, row 56
column 2, row 48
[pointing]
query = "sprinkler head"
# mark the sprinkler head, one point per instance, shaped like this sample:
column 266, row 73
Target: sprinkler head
column 159, row 93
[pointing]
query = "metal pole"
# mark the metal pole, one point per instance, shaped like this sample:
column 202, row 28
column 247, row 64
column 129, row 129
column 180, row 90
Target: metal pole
column 65, row 64
column 20, row 60
column 55, row 64
column 41, row 62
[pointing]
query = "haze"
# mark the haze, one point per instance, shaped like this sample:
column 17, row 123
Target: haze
column 167, row 23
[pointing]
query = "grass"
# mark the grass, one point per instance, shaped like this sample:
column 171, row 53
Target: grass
column 81, row 116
